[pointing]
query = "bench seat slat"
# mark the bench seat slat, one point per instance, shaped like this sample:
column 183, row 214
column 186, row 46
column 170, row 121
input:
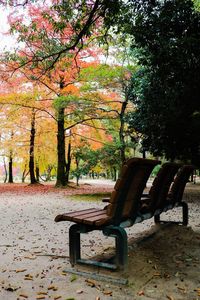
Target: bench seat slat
column 82, row 212
column 81, row 218
column 97, row 220
column 71, row 215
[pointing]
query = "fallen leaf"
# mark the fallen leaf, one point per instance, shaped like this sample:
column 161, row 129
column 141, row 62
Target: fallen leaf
column 52, row 287
column 107, row 293
column 181, row 288
column 42, row 293
column 170, row 297
column 91, row 282
column 141, row 293
column 20, row 270
column 157, row 274
column 30, row 257
column 73, row 278
column 28, row 277
column 23, row 295
column 11, row 288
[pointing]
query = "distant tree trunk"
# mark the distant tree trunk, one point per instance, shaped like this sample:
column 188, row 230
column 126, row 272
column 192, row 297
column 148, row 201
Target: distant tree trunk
column 37, row 172
column 10, row 163
column 61, row 165
column 121, row 130
column 68, row 165
column 77, row 172
column 114, row 174
column 10, row 168
column 31, row 150
column 49, row 169
column 5, row 169
column 143, row 154
column 24, row 174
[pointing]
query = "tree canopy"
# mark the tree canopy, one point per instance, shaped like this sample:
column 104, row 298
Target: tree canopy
column 166, row 90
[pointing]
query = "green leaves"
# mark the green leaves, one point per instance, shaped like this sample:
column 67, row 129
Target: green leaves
column 166, row 89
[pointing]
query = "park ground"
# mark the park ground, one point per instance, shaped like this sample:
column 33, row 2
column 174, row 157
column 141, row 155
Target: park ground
column 163, row 262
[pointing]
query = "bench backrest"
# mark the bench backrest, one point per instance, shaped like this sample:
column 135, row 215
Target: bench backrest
column 178, row 186
column 128, row 189
column 161, row 185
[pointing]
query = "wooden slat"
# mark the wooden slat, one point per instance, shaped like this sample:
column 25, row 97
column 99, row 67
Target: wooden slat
column 81, row 212
column 89, row 215
column 94, row 219
column 71, row 215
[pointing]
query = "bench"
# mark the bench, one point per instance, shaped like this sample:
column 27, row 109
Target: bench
column 127, row 206
column 175, row 195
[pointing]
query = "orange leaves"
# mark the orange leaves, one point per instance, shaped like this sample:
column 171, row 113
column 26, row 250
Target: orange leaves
column 70, row 89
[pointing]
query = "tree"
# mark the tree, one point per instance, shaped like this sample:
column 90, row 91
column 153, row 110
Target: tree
column 85, row 160
column 56, row 71
column 115, row 80
column 166, row 90
column 70, row 22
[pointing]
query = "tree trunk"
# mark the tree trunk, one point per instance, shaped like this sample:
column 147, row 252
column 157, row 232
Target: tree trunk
column 61, row 165
column 121, row 131
column 37, row 173
column 143, row 153
column 31, row 150
column 6, row 173
column 10, row 168
column 10, row 164
column 68, row 160
column 114, row 174
column 24, row 174
column 49, row 169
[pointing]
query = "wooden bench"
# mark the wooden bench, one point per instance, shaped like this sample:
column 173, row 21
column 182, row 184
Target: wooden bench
column 128, row 205
column 175, row 195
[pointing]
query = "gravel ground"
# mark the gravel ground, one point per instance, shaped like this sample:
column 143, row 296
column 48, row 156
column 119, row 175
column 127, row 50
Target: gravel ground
column 163, row 262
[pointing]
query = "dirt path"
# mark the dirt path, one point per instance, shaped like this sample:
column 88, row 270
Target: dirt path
column 164, row 261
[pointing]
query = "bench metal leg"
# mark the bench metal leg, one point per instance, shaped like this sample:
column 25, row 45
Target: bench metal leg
column 113, row 231
column 185, row 213
column 74, row 244
column 121, row 244
column 184, row 216
column 157, row 219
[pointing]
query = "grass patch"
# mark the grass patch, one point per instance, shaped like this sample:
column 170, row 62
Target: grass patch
column 91, row 197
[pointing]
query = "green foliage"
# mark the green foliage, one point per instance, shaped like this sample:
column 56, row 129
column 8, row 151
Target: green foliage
column 64, row 101
column 105, row 75
column 109, row 156
column 197, row 4
column 166, row 89
column 85, row 160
